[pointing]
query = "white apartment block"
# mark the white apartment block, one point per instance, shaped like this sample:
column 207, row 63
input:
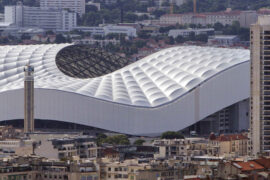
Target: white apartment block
column 129, row 31
column 77, row 6
column 48, row 19
column 186, row 32
column 245, row 18
column 13, row 14
column 110, row 29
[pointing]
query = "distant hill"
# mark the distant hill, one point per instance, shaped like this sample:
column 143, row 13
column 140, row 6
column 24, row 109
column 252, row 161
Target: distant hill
column 220, row 5
column 202, row 5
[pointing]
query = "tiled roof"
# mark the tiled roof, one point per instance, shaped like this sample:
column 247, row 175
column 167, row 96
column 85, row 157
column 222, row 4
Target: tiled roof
column 265, row 162
column 247, row 166
column 231, row 137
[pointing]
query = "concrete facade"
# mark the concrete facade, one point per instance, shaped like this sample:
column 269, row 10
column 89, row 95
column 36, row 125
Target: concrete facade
column 260, row 86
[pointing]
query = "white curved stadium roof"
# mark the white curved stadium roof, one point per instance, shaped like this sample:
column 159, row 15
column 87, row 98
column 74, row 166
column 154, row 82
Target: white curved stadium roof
column 160, row 82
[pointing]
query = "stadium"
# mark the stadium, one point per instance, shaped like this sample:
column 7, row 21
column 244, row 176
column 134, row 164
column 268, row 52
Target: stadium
column 186, row 87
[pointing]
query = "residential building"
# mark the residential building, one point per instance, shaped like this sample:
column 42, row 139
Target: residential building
column 109, row 29
column 127, row 30
column 100, row 43
column 83, row 147
column 186, row 32
column 260, row 86
column 224, row 40
column 245, row 18
column 239, row 169
column 228, row 145
column 169, row 148
column 135, row 170
column 48, row 19
column 35, row 168
column 77, row 6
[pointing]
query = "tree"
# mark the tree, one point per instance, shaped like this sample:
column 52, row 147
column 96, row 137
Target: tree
column 91, row 8
column 158, row 13
column 143, row 35
column 172, row 135
column 180, row 39
column 100, row 138
column 170, row 40
column 25, row 36
column 130, row 17
column 218, row 26
column 202, row 37
column 60, row 39
column 140, row 44
column 117, row 140
column 139, row 142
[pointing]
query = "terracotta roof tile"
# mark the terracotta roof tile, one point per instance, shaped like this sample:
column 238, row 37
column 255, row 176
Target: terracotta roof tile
column 265, row 162
column 231, row 137
column 247, row 166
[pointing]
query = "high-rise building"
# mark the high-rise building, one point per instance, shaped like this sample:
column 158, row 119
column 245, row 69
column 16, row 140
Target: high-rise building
column 28, row 99
column 48, row 19
column 260, row 86
column 77, row 6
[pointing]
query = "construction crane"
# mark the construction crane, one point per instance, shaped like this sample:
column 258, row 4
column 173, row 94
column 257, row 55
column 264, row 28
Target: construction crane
column 194, row 6
column 171, row 8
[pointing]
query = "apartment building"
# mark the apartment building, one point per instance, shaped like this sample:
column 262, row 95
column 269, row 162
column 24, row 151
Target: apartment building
column 109, row 29
column 83, row 147
column 136, row 170
column 245, row 18
column 48, row 19
column 77, row 6
column 169, row 148
column 186, row 32
column 36, row 168
column 260, row 86
column 225, row 145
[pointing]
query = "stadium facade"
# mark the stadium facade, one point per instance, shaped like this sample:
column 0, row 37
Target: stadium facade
column 172, row 89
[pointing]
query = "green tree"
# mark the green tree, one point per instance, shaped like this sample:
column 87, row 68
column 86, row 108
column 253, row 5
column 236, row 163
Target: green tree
column 91, row 8
column 60, row 39
column 158, row 13
column 170, row 40
column 117, row 140
column 202, row 37
column 180, row 39
column 100, row 138
column 139, row 142
column 144, row 35
column 172, row 135
column 140, row 44
column 218, row 26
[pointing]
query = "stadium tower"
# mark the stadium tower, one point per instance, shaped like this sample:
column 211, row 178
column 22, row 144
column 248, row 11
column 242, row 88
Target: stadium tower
column 28, row 99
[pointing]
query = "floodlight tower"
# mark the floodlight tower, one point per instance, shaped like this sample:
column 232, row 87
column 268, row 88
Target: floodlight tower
column 28, row 99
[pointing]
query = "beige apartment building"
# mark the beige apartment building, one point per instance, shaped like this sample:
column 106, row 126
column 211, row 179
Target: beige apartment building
column 227, row 145
column 260, row 86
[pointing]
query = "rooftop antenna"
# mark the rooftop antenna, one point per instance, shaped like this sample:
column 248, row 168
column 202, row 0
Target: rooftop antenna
column 171, row 8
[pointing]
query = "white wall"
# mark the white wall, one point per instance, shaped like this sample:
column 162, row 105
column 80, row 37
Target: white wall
column 221, row 91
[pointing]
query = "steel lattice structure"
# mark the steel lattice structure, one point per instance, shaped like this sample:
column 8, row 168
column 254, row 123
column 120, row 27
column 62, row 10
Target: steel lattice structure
column 82, row 61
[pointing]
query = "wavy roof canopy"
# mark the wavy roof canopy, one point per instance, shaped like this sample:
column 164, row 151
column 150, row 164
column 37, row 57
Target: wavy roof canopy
column 152, row 81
